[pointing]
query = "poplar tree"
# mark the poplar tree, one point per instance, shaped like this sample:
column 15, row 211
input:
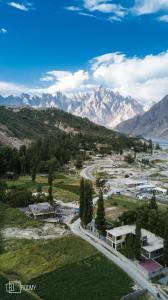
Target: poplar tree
column 153, row 204
column 86, row 202
column 1, row 227
column 50, row 182
column 138, row 238
column 100, row 218
column 165, row 249
column 81, row 199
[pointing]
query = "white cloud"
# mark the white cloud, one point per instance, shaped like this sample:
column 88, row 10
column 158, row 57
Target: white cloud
column 114, row 19
column 163, row 18
column 26, row 6
column 67, row 81
column 104, row 6
column 90, row 8
column 87, row 15
column 9, row 88
column 142, row 78
column 46, row 78
column 142, row 7
column 3, row 30
column 115, row 11
column 73, row 8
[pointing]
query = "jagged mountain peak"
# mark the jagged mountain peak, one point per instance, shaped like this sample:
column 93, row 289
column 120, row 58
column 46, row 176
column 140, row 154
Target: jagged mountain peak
column 101, row 105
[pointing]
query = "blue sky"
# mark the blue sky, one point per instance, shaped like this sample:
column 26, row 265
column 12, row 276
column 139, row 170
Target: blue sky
column 37, row 37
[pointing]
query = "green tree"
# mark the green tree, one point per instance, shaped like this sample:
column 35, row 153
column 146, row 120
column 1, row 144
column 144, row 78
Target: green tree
column 138, row 238
column 79, row 163
column 34, row 174
column 129, row 159
column 150, row 147
column 153, row 220
column 87, row 207
column 100, row 217
column 129, row 247
column 153, row 204
column 82, row 197
column 39, row 189
column 145, row 147
column 1, row 227
column 165, row 249
column 3, row 188
column 89, row 196
column 50, row 189
column 35, row 161
column 128, row 217
column 20, row 198
column 100, row 182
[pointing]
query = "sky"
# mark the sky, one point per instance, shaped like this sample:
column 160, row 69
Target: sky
column 76, row 45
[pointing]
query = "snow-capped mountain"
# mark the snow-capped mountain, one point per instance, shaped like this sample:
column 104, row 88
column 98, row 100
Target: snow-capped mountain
column 100, row 105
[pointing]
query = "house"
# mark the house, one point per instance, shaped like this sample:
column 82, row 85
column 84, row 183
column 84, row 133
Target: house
column 151, row 245
column 160, row 190
column 41, row 211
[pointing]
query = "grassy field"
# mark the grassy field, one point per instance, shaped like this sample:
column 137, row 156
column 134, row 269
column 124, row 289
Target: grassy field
column 94, row 278
column 65, row 268
column 122, row 201
column 13, row 217
column 65, row 187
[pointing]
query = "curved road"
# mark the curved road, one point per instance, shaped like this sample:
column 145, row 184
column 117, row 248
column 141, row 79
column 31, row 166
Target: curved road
column 126, row 266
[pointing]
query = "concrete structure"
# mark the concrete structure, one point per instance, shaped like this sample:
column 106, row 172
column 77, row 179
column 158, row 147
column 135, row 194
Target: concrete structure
column 151, row 245
column 41, row 211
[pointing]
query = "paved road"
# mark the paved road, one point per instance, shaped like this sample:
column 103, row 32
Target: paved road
column 88, row 171
column 129, row 268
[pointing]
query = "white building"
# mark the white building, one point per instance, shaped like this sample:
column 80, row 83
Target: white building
column 151, row 245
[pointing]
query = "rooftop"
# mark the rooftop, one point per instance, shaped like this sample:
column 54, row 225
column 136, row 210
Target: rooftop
column 150, row 265
column 154, row 242
column 41, row 208
column 122, row 230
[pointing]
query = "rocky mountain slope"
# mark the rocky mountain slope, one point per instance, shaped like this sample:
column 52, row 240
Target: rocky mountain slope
column 22, row 125
column 153, row 123
column 100, row 105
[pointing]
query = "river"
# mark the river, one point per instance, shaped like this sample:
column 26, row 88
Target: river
column 162, row 142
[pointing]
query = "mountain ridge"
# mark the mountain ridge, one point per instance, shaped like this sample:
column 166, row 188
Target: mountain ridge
column 153, row 123
column 24, row 125
column 100, row 105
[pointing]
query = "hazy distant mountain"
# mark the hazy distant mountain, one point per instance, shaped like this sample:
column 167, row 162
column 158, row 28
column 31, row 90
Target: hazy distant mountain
column 153, row 123
column 100, row 105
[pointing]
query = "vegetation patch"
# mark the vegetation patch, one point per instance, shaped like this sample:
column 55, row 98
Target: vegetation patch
column 13, row 217
column 66, row 268
column 92, row 278
column 65, row 187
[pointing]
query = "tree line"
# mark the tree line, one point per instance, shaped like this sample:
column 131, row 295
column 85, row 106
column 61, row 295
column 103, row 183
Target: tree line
column 86, row 207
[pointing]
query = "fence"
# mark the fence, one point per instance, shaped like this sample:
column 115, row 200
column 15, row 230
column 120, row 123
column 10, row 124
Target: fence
column 148, row 275
column 135, row 294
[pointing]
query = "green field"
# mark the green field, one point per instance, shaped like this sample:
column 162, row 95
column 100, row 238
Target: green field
column 65, row 187
column 129, row 203
column 64, row 268
column 122, row 201
column 13, row 217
